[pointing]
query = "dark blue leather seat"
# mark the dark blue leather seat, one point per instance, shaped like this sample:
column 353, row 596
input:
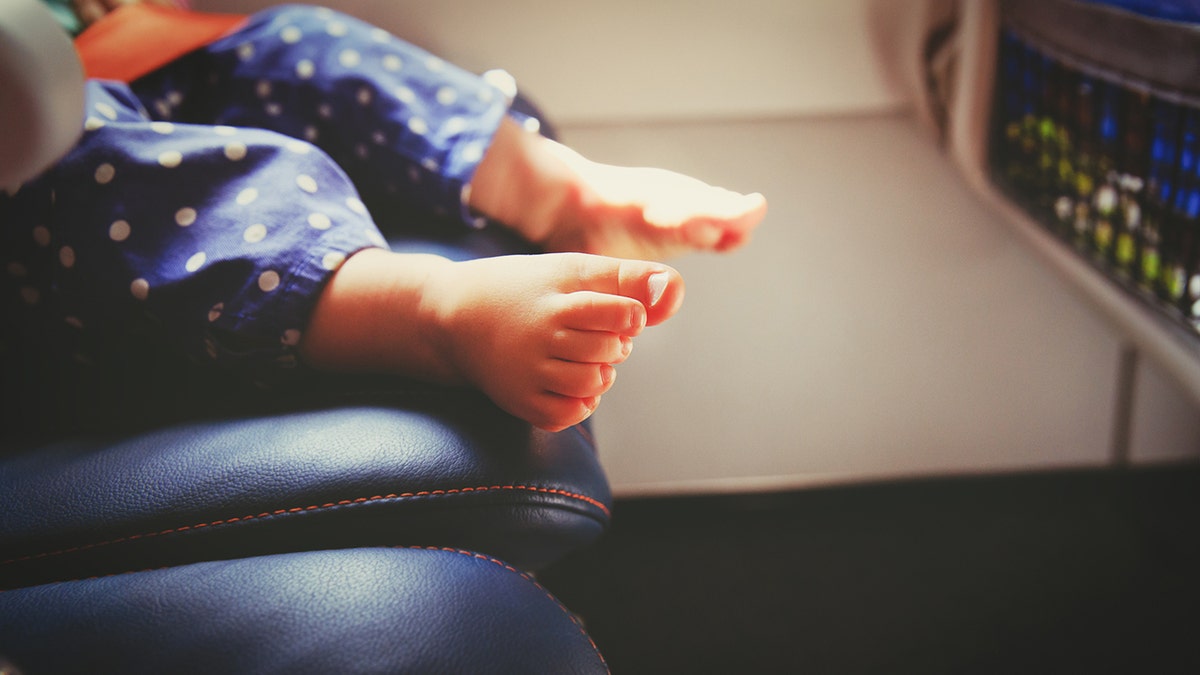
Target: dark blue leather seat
column 452, row 471
column 159, row 519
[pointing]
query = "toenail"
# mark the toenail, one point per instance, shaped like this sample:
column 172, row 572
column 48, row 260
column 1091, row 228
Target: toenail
column 637, row 317
column 657, row 285
column 607, row 374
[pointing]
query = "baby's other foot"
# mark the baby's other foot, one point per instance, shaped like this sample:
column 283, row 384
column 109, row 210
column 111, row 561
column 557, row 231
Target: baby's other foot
column 540, row 334
column 649, row 213
column 555, row 197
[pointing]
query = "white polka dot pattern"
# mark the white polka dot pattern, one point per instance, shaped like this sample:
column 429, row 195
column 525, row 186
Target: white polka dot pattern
column 119, row 230
column 185, row 217
column 196, row 193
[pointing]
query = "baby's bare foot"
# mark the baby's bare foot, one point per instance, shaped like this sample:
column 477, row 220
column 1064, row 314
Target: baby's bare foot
column 562, row 201
column 647, row 213
column 540, row 334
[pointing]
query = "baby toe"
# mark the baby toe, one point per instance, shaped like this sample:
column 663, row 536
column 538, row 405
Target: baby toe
column 602, row 312
column 577, row 380
column 590, row 346
column 554, row 412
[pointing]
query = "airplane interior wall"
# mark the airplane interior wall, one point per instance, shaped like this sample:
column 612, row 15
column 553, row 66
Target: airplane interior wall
column 618, row 60
column 885, row 322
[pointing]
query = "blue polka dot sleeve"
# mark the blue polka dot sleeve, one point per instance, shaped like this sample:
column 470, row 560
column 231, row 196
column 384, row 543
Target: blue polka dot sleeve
column 215, row 197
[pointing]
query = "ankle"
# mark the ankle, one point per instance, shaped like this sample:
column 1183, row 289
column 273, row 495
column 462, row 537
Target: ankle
column 372, row 316
column 441, row 291
column 525, row 183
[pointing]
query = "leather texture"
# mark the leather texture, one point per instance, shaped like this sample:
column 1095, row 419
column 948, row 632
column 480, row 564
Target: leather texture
column 350, row 611
column 444, row 469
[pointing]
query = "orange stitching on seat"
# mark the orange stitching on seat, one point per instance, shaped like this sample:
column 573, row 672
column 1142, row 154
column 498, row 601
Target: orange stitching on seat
column 298, row 509
column 527, row 577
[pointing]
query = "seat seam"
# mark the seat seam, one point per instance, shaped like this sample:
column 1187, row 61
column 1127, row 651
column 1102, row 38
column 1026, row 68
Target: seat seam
column 403, row 496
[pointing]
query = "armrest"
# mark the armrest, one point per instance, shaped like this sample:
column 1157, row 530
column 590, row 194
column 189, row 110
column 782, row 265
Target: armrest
column 442, row 468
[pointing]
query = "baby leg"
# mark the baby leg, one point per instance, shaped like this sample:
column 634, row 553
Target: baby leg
column 225, row 236
column 413, row 130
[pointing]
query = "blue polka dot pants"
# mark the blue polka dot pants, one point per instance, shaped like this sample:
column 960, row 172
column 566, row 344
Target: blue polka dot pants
column 212, row 199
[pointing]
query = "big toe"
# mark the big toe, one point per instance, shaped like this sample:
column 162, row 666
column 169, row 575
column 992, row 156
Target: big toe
column 658, row 287
column 740, row 227
column 716, row 221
